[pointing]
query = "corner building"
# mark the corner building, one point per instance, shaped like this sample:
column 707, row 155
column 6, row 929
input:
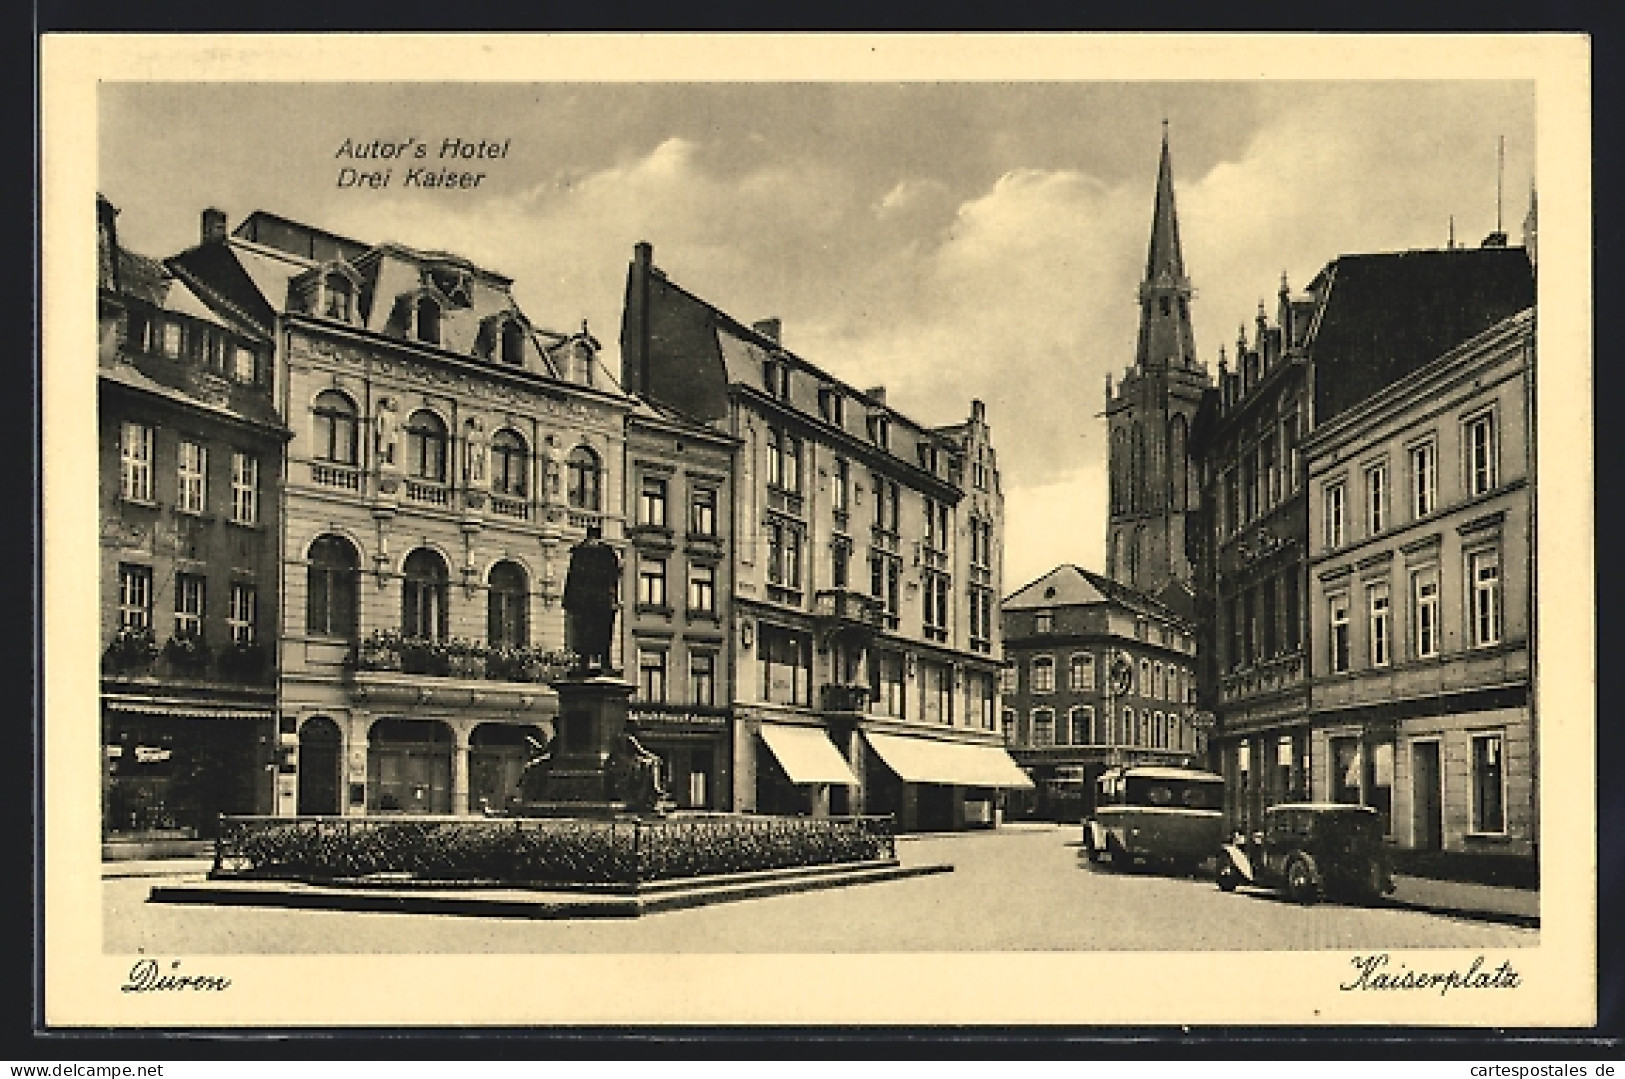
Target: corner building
column 1098, row 675
column 446, row 455
column 864, row 568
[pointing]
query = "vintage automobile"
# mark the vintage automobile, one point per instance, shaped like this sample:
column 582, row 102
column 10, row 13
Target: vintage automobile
column 1310, row 850
column 1166, row 816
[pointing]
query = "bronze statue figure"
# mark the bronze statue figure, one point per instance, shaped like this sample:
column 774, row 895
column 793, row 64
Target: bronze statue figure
column 591, row 594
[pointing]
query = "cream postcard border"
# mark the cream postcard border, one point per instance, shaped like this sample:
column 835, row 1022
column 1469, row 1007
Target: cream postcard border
column 81, row 983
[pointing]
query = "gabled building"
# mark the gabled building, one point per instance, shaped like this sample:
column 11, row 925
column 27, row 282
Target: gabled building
column 864, row 568
column 446, row 455
column 190, row 459
column 1097, row 675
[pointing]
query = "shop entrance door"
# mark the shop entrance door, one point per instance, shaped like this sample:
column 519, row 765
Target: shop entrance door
column 319, row 767
column 1427, row 798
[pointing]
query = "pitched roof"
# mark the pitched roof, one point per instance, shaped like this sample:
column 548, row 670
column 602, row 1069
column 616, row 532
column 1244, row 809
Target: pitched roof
column 1070, row 586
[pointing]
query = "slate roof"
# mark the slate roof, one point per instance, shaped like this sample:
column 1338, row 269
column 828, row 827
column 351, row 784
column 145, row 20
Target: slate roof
column 1077, row 587
column 1386, row 315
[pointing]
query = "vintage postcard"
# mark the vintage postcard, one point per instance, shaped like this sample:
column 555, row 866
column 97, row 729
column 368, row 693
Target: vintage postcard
column 980, row 529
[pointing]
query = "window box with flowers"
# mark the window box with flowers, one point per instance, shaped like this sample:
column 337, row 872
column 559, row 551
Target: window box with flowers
column 132, row 649
column 241, row 662
column 186, row 653
column 519, row 663
column 465, row 658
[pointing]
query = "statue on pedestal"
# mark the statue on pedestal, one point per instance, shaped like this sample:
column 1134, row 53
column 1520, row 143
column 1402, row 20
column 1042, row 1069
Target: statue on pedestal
column 474, row 445
column 591, row 594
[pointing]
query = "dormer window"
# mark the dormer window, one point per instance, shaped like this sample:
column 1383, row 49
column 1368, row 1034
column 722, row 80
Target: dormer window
column 338, row 298
column 776, row 377
column 513, row 343
column 880, row 430
column 428, row 321
column 832, row 406
column 928, row 457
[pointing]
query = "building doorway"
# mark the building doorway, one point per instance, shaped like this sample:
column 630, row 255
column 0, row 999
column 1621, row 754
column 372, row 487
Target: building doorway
column 1427, row 797
column 319, row 755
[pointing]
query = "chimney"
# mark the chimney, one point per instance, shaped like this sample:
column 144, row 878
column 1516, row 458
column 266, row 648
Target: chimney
column 978, row 410
column 643, row 253
column 770, row 328
column 214, row 226
column 877, row 394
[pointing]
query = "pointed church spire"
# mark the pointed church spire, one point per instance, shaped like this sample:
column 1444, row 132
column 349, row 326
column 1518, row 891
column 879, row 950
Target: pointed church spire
column 1165, row 322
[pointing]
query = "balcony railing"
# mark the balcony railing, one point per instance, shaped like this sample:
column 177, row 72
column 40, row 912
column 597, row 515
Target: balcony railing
column 844, row 697
column 510, row 507
column 584, row 518
column 432, row 493
column 785, row 501
column 344, row 477
column 845, row 605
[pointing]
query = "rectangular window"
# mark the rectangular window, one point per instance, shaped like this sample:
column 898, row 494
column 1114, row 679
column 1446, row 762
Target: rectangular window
column 244, row 367
column 792, row 558
column 841, row 489
column 192, row 472
column 1291, row 622
column 1249, row 485
column 170, row 339
column 651, row 582
column 1489, row 784
column 1347, row 769
column 1043, row 622
column 1081, row 673
column 1484, row 571
column 245, row 488
column 886, row 683
column 1339, row 633
column 935, row 588
column 1376, row 499
column 702, row 678
column 786, row 664
column 1381, row 625
column 775, row 553
column 1424, row 479
column 1043, row 727
column 1269, row 472
column 1425, row 604
column 1481, row 453
column 241, row 615
column 702, row 589
column 840, row 570
column 936, row 698
column 702, row 512
column 652, row 675
column 1007, row 679
column 1043, row 675
column 135, row 462
column 652, row 502
column 1334, row 514
column 189, row 598
column 134, row 597
column 1269, row 617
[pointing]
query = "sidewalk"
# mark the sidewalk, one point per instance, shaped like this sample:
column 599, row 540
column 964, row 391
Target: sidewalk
column 1479, row 902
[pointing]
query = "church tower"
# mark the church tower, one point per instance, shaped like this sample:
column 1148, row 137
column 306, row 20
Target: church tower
column 1154, row 491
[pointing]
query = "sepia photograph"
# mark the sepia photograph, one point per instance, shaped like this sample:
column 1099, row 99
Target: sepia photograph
column 734, row 530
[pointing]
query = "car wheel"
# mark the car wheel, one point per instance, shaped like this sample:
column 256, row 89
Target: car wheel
column 1300, row 880
column 1228, row 877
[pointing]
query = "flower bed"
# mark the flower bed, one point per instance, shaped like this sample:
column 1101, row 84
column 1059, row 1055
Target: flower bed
column 541, row 851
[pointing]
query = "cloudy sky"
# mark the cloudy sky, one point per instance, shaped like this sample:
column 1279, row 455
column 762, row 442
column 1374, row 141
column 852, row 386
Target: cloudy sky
column 947, row 240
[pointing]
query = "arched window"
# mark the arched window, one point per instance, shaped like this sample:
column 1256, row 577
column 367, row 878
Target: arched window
column 423, row 595
column 426, row 447
column 513, row 343
column 1159, row 731
column 1125, row 732
column 1138, row 470
column 332, row 581
column 1134, row 556
column 509, row 463
column 339, row 298
column 585, row 479
column 333, row 428
column 1101, row 723
column 507, row 622
column 428, row 321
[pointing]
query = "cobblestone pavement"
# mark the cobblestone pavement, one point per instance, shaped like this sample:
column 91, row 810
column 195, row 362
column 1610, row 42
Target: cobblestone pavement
column 1021, row 888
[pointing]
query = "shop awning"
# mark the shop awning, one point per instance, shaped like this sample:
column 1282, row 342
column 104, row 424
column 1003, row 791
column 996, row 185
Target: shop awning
column 926, row 760
column 807, row 755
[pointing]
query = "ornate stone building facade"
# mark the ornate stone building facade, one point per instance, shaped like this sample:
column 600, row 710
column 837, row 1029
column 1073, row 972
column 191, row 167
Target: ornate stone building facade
column 446, row 455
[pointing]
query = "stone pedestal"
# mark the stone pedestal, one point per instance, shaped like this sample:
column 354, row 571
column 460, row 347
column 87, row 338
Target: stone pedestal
column 592, row 716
